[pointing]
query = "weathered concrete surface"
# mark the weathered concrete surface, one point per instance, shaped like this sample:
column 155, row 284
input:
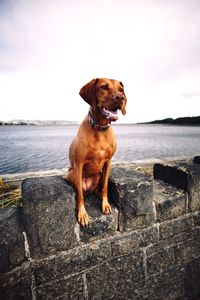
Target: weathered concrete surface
column 11, row 241
column 132, row 193
column 49, row 215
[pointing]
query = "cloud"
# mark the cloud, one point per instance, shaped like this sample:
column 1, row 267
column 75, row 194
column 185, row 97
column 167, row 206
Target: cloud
column 49, row 49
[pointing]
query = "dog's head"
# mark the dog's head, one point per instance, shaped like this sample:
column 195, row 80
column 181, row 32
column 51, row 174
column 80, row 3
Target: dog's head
column 106, row 96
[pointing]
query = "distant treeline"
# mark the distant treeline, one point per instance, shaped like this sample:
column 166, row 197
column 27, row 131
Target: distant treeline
column 178, row 121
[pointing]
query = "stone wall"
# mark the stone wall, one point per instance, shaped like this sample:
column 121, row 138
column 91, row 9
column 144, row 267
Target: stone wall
column 148, row 248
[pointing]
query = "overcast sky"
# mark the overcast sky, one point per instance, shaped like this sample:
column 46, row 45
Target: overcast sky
column 50, row 49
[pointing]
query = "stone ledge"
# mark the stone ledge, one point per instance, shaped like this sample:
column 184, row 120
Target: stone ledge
column 170, row 202
column 17, row 283
column 11, row 242
column 171, row 174
column 132, row 192
column 196, row 160
column 183, row 176
column 176, row 226
column 101, row 225
column 48, row 215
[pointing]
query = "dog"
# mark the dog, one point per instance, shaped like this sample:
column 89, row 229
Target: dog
column 91, row 150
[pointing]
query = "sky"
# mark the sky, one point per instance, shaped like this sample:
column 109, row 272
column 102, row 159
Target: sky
column 50, row 49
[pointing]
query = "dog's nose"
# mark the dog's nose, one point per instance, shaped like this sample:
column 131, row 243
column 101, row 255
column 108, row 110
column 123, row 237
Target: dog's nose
column 118, row 97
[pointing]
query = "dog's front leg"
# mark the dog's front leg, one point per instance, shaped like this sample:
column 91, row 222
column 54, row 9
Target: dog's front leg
column 83, row 217
column 106, row 208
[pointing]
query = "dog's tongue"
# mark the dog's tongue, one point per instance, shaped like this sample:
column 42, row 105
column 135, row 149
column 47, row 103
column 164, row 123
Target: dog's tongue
column 110, row 115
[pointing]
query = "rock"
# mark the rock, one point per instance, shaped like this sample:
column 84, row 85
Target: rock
column 101, row 225
column 11, row 242
column 197, row 219
column 187, row 250
column 125, row 243
column 183, row 176
column 119, row 278
column 49, row 215
column 65, row 288
column 171, row 175
column 196, row 160
column 194, row 187
column 159, row 261
column 132, row 194
column 169, row 285
column 170, row 202
column 192, row 279
column 175, row 227
column 77, row 260
column 17, row 284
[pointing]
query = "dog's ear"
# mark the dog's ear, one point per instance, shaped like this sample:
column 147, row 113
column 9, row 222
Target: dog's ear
column 123, row 107
column 88, row 92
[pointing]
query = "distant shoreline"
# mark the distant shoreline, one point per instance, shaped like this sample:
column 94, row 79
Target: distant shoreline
column 177, row 121
column 167, row 121
column 36, row 123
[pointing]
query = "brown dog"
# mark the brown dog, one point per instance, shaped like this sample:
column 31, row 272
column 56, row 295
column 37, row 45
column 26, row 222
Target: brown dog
column 91, row 150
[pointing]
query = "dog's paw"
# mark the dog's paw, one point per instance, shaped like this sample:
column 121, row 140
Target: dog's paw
column 106, row 208
column 83, row 218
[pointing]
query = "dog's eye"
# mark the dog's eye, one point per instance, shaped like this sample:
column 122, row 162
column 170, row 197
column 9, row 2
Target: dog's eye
column 104, row 87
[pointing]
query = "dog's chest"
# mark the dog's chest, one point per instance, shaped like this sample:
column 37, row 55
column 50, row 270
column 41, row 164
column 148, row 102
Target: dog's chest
column 102, row 154
column 102, row 146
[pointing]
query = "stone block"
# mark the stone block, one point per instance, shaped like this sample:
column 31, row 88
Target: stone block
column 192, row 279
column 11, row 243
column 194, row 187
column 118, row 278
column 17, row 283
column 49, row 215
column 177, row 226
column 168, row 285
column 170, row 202
column 101, row 225
column 65, row 288
column 72, row 262
column 127, row 242
column 171, row 174
column 197, row 218
column 160, row 261
column 132, row 193
column 187, row 250
column 183, row 176
column 173, row 241
column 196, row 160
